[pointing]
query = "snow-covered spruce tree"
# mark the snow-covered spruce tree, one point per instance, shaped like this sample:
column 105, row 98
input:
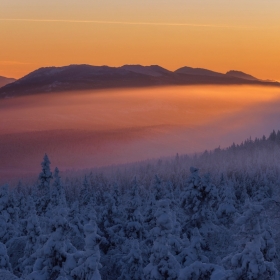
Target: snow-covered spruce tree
column 111, row 223
column 23, row 210
column 13, row 208
column 175, row 242
column 263, row 189
column 158, row 188
column 5, row 266
column 89, row 262
column 85, row 193
column 134, row 226
column 227, row 211
column 57, row 197
column 250, row 224
column 8, row 216
column 55, row 260
column 149, row 222
column 256, row 251
column 240, row 191
column 250, row 264
column 198, row 201
column 193, row 252
column 199, row 271
column 3, row 230
column 168, row 189
column 155, row 193
column 44, row 186
column 149, row 208
column 4, row 259
column 268, row 247
column 45, row 176
column 196, row 264
column 88, row 205
column 33, row 241
column 162, row 265
column 132, row 263
column 99, row 202
column 76, row 227
column 112, row 229
column 222, row 185
column 117, row 195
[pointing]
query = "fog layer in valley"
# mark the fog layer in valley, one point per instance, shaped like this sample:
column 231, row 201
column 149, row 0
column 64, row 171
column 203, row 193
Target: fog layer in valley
column 95, row 128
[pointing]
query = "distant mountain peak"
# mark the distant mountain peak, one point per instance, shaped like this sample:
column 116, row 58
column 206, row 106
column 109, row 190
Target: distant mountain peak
column 5, row 81
column 87, row 77
column 197, row 71
column 242, row 75
column 152, row 70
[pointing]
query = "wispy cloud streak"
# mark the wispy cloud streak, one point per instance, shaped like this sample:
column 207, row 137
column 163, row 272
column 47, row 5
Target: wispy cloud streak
column 123, row 22
column 9, row 62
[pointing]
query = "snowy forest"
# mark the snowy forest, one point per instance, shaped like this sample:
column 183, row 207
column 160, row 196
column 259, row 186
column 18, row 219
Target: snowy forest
column 213, row 215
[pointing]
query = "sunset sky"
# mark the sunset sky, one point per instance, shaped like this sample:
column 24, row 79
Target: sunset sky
column 217, row 34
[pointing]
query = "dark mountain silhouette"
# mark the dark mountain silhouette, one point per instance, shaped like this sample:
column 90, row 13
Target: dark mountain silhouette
column 241, row 75
column 198, row 71
column 84, row 77
column 4, row 81
column 153, row 70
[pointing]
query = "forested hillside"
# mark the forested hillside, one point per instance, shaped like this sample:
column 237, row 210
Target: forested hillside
column 208, row 216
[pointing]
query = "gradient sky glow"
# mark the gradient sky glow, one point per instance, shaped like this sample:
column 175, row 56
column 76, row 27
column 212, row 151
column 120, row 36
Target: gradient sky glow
column 217, row 34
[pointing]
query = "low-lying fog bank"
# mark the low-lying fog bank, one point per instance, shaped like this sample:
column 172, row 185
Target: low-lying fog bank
column 90, row 129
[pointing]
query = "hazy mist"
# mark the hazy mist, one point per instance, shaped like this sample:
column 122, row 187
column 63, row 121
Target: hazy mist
column 95, row 128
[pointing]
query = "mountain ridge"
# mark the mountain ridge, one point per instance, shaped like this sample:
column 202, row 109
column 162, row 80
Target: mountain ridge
column 88, row 77
column 240, row 74
column 4, row 81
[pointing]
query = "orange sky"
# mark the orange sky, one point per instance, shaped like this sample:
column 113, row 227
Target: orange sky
column 217, row 34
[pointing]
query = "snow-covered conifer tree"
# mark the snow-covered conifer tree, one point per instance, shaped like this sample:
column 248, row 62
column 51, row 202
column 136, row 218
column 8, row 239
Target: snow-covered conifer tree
column 54, row 260
column 76, row 227
column 199, row 271
column 45, row 176
column 4, row 237
column 33, row 242
column 44, row 186
column 111, row 223
column 5, row 266
column 132, row 263
column 85, row 194
column 198, row 200
column 89, row 262
column 194, row 252
column 227, row 211
column 4, row 259
column 134, row 227
column 57, row 198
column 249, row 261
column 157, row 188
column 162, row 265
column 8, row 216
column 149, row 211
column 116, row 193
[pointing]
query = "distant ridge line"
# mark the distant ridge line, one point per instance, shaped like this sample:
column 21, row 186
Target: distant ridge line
column 88, row 77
